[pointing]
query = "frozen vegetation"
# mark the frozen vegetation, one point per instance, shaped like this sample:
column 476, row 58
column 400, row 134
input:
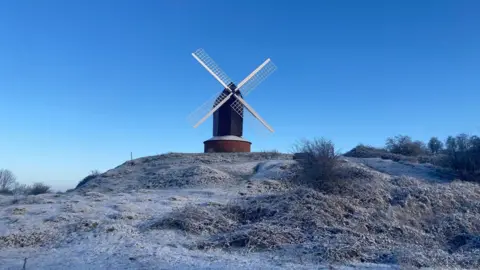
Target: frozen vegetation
column 246, row 211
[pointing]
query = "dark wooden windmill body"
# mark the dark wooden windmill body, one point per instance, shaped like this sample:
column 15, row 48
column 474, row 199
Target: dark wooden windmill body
column 227, row 121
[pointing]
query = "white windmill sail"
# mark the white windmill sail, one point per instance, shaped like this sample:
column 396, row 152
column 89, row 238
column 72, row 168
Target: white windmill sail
column 256, row 77
column 206, row 109
column 207, row 62
column 250, row 83
column 252, row 111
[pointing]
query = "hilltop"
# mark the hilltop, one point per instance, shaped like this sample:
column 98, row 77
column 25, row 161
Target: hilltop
column 247, row 211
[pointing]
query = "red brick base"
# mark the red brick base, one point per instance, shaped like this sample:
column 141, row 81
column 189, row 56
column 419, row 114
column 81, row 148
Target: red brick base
column 226, row 146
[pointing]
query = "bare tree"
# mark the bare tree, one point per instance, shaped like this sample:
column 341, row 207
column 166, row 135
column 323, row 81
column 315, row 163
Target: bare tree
column 7, row 180
column 435, row 145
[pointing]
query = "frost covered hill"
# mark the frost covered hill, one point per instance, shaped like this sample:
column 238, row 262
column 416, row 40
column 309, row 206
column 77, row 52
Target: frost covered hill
column 176, row 170
column 246, row 211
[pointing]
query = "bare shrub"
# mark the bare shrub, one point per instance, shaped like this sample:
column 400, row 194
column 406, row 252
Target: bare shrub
column 39, row 188
column 318, row 162
column 21, row 189
column 404, row 145
column 7, row 181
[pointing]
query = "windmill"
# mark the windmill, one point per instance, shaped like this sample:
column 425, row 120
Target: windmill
column 227, row 106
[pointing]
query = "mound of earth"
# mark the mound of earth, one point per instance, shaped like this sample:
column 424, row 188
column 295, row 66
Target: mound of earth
column 179, row 170
column 204, row 211
column 375, row 217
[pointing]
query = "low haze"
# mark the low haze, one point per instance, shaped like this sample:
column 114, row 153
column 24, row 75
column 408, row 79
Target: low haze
column 85, row 83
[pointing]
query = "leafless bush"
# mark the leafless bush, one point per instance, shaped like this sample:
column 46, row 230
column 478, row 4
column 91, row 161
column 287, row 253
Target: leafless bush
column 39, row 188
column 319, row 160
column 21, row 189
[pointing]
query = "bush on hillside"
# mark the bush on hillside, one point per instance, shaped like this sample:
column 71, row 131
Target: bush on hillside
column 404, row 145
column 318, row 162
column 365, row 151
column 461, row 153
column 440, row 160
column 39, row 188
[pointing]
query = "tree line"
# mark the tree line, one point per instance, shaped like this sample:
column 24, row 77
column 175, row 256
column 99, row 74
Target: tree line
column 10, row 186
column 460, row 153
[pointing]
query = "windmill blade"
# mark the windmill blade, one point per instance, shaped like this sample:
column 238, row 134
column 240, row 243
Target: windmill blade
column 256, row 77
column 207, row 62
column 252, row 81
column 252, row 111
column 208, row 108
column 254, row 128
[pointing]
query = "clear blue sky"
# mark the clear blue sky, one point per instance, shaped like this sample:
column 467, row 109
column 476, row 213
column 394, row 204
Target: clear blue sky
column 84, row 83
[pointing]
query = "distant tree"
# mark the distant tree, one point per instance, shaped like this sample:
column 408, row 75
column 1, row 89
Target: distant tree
column 435, row 145
column 404, row 145
column 7, row 180
column 463, row 152
column 420, row 147
column 475, row 150
column 451, row 144
column 462, row 142
column 475, row 143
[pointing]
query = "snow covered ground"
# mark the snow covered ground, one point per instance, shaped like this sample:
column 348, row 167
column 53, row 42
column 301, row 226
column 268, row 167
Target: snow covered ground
column 420, row 171
column 106, row 223
column 98, row 231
